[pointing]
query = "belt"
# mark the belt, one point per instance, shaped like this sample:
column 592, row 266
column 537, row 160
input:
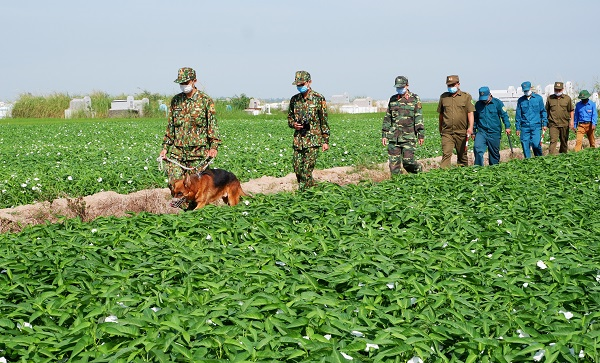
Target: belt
column 584, row 122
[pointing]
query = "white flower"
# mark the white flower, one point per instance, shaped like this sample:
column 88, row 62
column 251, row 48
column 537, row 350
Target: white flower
column 3, row 360
column 246, row 202
column 598, row 278
column 208, row 237
column 499, row 221
column 155, row 309
column 279, row 263
column 25, row 325
column 552, row 258
column 94, row 230
column 541, row 265
column 356, row 333
column 415, row 360
column 539, row 355
column 244, row 213
column 346, row 356
column 99, row 180
column 251, row 248
column 525, row 284
column 581, row 354
column 445, row 245
column 111, row 319
column 413, row 300
column 390, row 285
column 522, row 334
column 129, row 181
column 145, row 168
column 306, row 337
column 369, row 346
column 568, row 315
column 327, row 336
column 490, row 255
column 210, row 322
column 24, row 185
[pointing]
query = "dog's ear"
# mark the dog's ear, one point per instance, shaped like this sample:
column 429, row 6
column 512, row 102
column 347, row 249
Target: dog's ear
column 187, row 181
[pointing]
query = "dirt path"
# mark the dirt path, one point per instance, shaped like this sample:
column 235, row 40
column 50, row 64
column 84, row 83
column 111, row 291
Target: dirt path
column 157, row 200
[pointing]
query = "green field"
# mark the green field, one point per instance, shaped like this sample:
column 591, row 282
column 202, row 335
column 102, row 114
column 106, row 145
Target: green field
column 493, row 264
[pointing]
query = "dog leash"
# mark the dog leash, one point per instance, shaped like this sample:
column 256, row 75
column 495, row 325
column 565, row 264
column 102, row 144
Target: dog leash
column 204, row 164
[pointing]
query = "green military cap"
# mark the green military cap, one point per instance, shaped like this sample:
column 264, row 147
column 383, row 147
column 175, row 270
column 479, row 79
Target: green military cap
column 185, row 74
column 452, row 79
column 400, row 81
column 584, row 94
column 558, row 85
column 301, row 77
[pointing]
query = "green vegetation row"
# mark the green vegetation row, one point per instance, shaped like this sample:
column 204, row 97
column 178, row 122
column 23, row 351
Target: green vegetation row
column 43, row 159
column 496, row 264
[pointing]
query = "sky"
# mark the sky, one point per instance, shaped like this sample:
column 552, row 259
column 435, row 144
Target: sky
column 254, row 47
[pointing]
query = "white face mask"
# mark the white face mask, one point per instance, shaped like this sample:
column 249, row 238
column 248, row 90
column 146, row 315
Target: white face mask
column 186, row 88
column 558, row 94
column 527, row 93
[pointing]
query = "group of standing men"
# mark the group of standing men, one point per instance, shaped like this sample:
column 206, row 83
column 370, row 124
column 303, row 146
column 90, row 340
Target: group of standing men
column 460, row 119
column 192, row 135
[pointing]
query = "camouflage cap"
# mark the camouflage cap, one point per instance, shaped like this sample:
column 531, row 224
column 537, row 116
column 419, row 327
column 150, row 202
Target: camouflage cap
column 558, row 85
column 185, row 74
column 584, row 95
column 301, row 77
column 400, row 81
column 452, row 79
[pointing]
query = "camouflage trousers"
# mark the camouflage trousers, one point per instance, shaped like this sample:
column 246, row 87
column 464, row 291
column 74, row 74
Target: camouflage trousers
column 304, row 161
column 403, row 153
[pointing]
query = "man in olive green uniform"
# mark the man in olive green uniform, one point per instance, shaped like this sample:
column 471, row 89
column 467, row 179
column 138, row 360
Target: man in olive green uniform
column 403, row 122
column 191, row 133
column 456, row 122
column 307, row 115
column 559, row 107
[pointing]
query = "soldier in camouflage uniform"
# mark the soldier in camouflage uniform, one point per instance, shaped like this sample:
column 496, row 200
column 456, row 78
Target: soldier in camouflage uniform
column 307, row 115
column 403, row 122
column 192, row 132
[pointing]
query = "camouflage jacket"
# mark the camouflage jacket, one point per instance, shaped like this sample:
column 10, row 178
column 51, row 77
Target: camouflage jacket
column 192, row 126
column 311, row 111
column 403, row 119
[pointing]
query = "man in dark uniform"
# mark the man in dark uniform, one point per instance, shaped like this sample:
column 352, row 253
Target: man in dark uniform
column 456, row 121
column 403, row 122
column 489, row 115
column 307, row 115
column 559, row 107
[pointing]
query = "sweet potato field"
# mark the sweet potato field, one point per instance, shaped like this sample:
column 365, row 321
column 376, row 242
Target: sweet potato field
column 494, row 264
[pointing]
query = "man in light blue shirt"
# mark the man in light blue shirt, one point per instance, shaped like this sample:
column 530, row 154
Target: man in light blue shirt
column 585, row 120
column 530, row 120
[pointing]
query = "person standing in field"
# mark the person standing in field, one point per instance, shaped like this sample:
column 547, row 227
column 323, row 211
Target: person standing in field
column 307, row 115
column 489, row 115
column 192, row 134
column 530, row 120
column 559, row 107
column 585, row 120
column 403, row 122
column 456, row 122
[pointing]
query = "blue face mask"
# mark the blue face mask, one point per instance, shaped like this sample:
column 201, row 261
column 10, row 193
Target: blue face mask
column 401, row 90
column 302, row 89
column 452, row 89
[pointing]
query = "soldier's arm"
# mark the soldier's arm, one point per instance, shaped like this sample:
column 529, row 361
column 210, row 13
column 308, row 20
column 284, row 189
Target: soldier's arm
column 543, row 114
column 170, row 131
column 387, row 122
column 212, row 131
column 323, row 119
column 504, row 115
column 419, row 125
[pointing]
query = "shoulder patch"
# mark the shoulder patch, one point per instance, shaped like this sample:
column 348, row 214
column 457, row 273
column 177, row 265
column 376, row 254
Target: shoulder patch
column 211, row 108
column 419, row 105
column 503, row 108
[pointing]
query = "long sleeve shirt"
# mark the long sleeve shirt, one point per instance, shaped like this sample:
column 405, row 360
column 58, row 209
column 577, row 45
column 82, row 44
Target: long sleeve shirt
column 585, row 112
column 312, row 112
column 490, row 116
column 531, row 112
column 404, row 118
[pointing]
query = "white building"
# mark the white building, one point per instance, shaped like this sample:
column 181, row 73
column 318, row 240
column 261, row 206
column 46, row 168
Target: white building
column 5, row 110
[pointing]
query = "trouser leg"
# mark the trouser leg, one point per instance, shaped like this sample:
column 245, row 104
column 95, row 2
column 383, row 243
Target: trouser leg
column 554, row 133
column 536, row 142
column 395, row 158
column 460, row 142
column 479, row 147
column 591, row 136
column 526, row 143
column 581, row 130
column 447, row 146
column 493, row 146
column 563, row 137
column 304, row 161
column 410, row 163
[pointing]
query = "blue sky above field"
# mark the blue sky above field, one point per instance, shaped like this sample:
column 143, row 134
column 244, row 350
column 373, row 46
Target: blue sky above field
column 254, row 47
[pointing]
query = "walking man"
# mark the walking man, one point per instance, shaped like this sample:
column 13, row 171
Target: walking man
column 455, row 122
column 192, row 133
column 307, row 115
column 403, row 122
column 585, row 120
column 530, row 120
column 560, row 116
column 489, row 115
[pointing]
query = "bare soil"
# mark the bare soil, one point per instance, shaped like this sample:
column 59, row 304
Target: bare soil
column 157, row 200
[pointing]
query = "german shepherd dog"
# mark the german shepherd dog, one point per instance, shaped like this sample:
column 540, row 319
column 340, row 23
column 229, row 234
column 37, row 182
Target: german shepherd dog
column 207, row 187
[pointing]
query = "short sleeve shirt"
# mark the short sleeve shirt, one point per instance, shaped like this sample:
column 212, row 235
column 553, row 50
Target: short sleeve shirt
column 454, row 109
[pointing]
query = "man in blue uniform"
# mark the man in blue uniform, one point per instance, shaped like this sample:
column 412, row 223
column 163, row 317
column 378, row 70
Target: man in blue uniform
column 489, row 115
column 530, row 120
